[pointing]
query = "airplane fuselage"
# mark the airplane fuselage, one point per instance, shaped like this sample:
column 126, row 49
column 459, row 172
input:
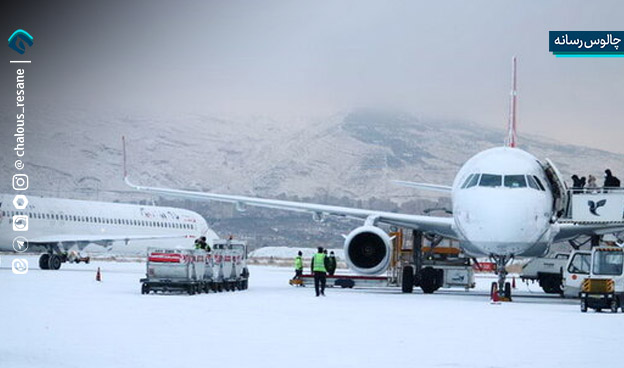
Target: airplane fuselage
column 57, row 220
column 503, row 204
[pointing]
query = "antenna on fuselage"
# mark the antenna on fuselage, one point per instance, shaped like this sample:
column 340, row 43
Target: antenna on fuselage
column 511, row 127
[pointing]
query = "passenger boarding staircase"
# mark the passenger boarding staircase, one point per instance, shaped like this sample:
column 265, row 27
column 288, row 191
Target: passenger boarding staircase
column 594, row 206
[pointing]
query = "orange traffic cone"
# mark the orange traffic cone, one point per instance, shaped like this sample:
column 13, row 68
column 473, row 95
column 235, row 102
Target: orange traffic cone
column 98, row 275
column 513, row 282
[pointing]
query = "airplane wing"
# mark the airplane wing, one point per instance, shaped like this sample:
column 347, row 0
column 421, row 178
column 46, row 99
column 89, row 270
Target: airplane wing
column 51, row 239
column 424, row 186
column 569, row 231
column 431, row 224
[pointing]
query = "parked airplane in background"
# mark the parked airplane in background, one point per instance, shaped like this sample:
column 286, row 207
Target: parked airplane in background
column 506, row 203
column 56, row 225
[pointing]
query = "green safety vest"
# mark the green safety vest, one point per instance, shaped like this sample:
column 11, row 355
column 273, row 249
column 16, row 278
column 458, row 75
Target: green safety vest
column 298, row 263
column 319, row 263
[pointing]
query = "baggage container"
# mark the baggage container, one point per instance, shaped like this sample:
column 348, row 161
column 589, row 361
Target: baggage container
column 174, row 270
column 195, row 270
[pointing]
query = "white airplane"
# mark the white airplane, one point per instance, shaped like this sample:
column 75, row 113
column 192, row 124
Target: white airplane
column 506, row 204
column 55, row 225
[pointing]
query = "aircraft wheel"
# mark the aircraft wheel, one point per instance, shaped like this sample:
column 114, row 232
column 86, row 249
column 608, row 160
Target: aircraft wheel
column 407, row 285
column 43, row 261
column 508, row 291
column 428, row 282
column 54, row 262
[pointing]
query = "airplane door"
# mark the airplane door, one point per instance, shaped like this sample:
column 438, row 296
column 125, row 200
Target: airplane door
column 558, row 187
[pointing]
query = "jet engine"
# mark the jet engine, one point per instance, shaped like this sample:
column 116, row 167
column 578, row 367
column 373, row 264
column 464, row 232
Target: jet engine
column 368, row 250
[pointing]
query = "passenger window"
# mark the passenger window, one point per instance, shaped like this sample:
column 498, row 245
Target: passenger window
column 539, row 183
column 515, row 181
column 489, row 180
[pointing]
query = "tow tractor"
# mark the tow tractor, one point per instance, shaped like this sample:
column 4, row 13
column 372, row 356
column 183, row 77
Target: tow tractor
column 548, row 271
column 604, row 288
column 575, row 271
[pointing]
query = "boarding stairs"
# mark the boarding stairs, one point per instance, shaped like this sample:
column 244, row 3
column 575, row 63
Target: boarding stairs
column 594, row 206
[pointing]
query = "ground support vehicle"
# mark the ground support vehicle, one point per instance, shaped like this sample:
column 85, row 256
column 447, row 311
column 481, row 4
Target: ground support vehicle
column 548, row 271
column 604, row 288
column 576, row 270
column 430, row 263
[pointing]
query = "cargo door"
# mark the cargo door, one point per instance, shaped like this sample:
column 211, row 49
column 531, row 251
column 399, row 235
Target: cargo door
column 558, row 188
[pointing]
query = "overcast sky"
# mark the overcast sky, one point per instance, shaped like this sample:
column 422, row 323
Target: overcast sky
column 446, row 59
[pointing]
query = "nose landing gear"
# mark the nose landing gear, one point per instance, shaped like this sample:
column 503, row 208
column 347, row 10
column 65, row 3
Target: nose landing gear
column 501, row 290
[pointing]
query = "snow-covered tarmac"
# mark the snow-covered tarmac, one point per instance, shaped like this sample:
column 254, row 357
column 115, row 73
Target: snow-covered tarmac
column 67, row 319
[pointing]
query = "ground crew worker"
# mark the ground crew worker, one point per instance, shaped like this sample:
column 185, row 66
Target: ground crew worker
column 298, row 266
column 330, row 263
column 197, row 244
column 204, row 244
column 318, row 268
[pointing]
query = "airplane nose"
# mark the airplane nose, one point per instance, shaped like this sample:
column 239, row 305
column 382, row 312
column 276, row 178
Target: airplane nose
column 499, row 227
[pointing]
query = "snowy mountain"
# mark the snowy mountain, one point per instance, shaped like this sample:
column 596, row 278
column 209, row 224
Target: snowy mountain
column 353, row 155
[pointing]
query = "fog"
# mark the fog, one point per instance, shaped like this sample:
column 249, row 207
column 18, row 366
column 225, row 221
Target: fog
column 439, row 59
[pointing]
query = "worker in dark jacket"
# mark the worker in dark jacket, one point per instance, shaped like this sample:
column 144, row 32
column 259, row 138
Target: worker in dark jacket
column 330, row 263
column 611, row 181
column 318, row 268
column 298, row 266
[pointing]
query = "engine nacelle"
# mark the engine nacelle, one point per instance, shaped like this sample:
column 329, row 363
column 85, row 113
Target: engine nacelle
column 367, row 250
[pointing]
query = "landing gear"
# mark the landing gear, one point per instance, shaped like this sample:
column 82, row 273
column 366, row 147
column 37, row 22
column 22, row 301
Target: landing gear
column 44, row 261
column 50, row 261
column 502, row 288
column 54, row 262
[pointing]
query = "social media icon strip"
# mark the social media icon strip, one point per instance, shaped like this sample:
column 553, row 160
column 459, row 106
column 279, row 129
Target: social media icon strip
column 20, row 244
column 20, row 181
column 20, row 202
column 19, row 266
column 20, row 223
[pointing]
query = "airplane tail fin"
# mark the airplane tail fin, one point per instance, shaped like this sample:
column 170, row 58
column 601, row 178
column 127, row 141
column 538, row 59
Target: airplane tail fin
column 123, row 142
column 511, row 128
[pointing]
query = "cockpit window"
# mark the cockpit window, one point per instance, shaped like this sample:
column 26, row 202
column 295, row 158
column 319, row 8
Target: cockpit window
column 467, row 181
column 489, row 180
column 515, row 181
column 539, row 183
column 532, row 182
column 473, row 181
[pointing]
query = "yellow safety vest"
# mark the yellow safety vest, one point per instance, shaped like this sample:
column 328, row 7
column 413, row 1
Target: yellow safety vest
column 298, row 263
column 319, row 263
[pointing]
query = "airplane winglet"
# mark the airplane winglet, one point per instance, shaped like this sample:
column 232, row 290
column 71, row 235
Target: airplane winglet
column 125, row 167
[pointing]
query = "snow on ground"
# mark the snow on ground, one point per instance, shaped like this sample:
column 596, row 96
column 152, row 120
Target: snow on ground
column 67, row 319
